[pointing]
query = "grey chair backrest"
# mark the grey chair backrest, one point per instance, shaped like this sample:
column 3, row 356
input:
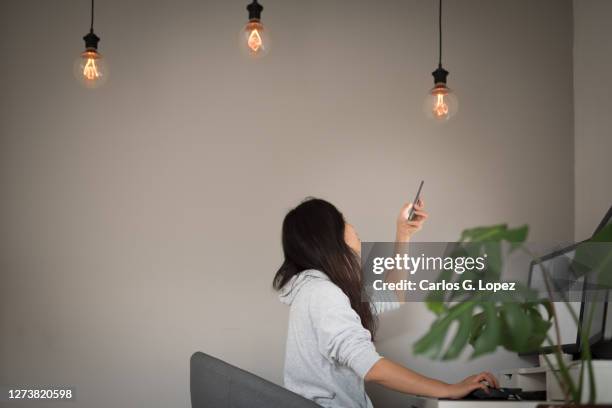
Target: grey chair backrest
column 216, row 384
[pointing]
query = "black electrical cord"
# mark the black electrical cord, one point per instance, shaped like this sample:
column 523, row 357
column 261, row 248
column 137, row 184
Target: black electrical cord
column 439, row 33
column 91, row 39
column 92, row 16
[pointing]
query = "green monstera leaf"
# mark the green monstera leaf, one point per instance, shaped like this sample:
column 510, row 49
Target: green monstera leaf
column 488, row 337
column 476, row 242
column 484, row 322
column 432, row 343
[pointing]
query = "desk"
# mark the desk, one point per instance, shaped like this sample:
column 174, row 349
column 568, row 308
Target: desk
column 420, row 402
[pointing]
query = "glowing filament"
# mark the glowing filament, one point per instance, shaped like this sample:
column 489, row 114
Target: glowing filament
column 440, row 108
column 254, row 42
column 90, row 71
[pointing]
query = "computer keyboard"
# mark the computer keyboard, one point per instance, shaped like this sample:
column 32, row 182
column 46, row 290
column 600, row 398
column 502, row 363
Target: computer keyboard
column 496, row 394
column 507, row 394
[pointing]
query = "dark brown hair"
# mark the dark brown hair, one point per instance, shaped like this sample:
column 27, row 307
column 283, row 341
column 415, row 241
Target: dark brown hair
column 313, row 238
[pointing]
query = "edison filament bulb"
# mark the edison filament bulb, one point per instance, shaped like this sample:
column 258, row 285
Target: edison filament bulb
column 254, row 37
column 90, row 68
column 441, row 103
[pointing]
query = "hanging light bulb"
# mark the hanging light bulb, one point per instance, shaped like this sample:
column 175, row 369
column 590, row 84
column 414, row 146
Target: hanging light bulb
column 254, row 37
column 90, row 68
column 441, row 102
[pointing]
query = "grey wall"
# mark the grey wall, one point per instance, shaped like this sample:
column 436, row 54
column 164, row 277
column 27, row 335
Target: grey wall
column 140, row 222
column 593, row 137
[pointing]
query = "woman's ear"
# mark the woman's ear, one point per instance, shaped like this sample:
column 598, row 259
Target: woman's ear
column 352, row 239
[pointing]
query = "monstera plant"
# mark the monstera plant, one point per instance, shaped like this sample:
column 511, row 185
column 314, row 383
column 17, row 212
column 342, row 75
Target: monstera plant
column 518, row 321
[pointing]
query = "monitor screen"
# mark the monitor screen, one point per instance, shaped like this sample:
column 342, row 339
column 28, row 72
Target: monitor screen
column 601, row 326
column 563, row 282
column 595, row 304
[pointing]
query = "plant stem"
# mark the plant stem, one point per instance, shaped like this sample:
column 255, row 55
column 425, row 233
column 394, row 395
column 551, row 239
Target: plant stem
column 567, row 385
column 562, row 378
column 586, row 352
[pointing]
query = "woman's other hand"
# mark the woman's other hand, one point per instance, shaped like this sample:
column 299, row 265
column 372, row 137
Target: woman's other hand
column 483, row 381
column 405, row 227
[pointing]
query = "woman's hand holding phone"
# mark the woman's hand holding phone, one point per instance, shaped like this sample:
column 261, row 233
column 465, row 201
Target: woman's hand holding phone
column 406, row 227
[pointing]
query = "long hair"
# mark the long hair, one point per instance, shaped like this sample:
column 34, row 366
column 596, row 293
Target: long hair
column 313, row 238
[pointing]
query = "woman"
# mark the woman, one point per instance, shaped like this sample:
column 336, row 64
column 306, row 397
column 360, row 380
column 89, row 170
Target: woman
column 329, row 351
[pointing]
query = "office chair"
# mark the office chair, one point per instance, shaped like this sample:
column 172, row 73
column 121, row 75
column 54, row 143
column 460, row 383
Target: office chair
column 216, row 384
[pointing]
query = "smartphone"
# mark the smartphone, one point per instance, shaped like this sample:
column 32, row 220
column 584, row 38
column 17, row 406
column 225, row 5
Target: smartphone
column 416, row 200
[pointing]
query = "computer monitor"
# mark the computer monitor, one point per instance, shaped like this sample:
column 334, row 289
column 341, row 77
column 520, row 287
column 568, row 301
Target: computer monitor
column 600, row 335
column 584, row 296
column 565, row 284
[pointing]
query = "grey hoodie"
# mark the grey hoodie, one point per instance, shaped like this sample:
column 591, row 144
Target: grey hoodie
column 328, row 351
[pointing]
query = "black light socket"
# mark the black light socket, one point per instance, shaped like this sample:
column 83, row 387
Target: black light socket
column 440, row 75
column 91, row 41
column 255, row 10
